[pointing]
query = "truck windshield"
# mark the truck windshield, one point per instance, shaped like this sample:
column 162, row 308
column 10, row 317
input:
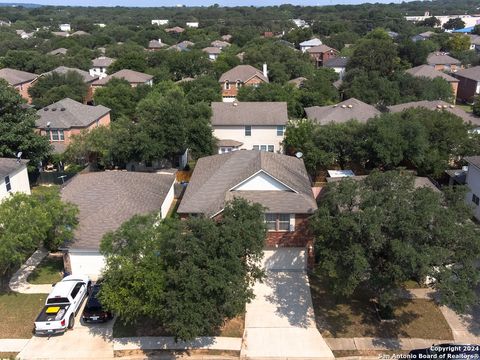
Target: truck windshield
column 57, row 300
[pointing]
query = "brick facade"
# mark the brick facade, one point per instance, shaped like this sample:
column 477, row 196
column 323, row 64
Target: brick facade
column 233, row 91
column 23, row 90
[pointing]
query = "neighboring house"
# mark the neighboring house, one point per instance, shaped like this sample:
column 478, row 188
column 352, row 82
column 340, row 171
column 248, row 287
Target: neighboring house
column 99, row 66
column 342, row 112
column 443, row 62
column 80, row 33
column 182, row 46
column 65, row 27
column 87, row 79
column 212, row 52
column 321, row 53
column 298, row 82
column 192, row 24
column 61, row 33
column 20, row 80
column 469, row 85
column 469, row 20
column 300, row 23
column 105, row 201
column 24, row 35
column 392, row 34
column 474, row 42
column 439, row 105
column 175, row 30
column 160, row 22
column 304, row 46
column 5, row 23
column 472, row 180
column 429, row 72
column 154, row 45
column 227, row 37
column 135, row 78
column 419, row 182
column 423, row 36
column 278, row 182
column 67, row 117
column 59, row 51
column 220, row 44
column 338, row 64
column 13, row 177
column 241, row 75
column 250, row 125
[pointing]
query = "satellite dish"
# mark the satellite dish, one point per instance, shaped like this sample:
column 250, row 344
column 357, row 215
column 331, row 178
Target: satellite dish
column 299, row 154
column 19, row 155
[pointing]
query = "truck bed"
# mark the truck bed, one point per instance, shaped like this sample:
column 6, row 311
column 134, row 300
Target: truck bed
column 54, row 312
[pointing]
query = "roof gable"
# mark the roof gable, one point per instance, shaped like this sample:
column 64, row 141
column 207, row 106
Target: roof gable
column 261, row 181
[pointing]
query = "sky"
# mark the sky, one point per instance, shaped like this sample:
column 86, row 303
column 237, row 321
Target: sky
column 154, row 3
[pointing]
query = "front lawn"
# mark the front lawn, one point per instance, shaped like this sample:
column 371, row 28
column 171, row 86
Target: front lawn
column 356, row 317
column 49, row 271
column 18, row 313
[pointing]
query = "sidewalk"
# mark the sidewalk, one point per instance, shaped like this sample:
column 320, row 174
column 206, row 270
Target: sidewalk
column 168, row 343
column 18, row 282
column 12, row 345
column 382, row 344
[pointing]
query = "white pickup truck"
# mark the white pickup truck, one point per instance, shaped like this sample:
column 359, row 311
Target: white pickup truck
column 62, row 305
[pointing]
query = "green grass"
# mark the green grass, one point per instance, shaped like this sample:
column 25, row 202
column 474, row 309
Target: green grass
column 49, row 271
column 18, row 313
column 465, row 107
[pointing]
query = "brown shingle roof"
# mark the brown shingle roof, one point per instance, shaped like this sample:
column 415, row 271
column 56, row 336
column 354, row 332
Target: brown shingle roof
column 249, row 113
column 242, row 73
column 471, row 73
column 429, row 72
column 212, row 50
column 342, row 112
column 441, row 59
column 68, row 113
column 214, row 176
column 133, row 77
column 16, row 77
column 176, row 29
column 102, row 61
column 64, row 70
column 320, row 49
column 107, row 199
column 156, row 44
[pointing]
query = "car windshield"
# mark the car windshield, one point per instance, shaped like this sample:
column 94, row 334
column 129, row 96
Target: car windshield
column 57, row 300
column 93, row 303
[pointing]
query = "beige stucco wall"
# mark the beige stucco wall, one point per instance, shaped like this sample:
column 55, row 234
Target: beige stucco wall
column 19, row 182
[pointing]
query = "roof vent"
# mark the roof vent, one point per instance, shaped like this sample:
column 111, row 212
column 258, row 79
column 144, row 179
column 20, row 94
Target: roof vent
column 235, row 103
column 54, row 109
column 452, row 106
column 45, row 109
column 350, row 106
column 344, row 106
column 62, row 109
column 335, row 105
column 439, row 106
column 445, row 106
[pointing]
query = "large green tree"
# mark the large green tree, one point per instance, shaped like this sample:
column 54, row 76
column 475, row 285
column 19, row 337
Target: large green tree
column 380, row 232
column 191, row 275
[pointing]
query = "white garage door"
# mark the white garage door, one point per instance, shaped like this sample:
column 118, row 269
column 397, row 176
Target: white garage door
column 90, row 264
column 285, row 259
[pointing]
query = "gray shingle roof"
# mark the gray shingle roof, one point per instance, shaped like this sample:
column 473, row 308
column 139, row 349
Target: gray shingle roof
column 214, row 176
column 59, row 51
column 156, row 44
column 108, row 199
column 220, row 43
column 419, row 182
column 249, row 113
column 474, row 160
column 429, row 72
column 437, row 105
column 311, row 42
column 10, row 165
column 68, row 113
column 16, row 77
column 212, row 50
column 471, row 73
column 442, row 59
column 340, row 61
column 242, row 73
column 133, row 77
column 64, row 70
column 228, row 143
column 102, row 61
column 342, row 112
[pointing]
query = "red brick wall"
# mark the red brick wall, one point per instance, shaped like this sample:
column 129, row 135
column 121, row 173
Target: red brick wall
column 466, row 88
column 233, row 91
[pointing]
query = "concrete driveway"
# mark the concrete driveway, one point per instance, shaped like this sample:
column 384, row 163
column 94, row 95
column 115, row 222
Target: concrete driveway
column 280, row 321
column 85, row 341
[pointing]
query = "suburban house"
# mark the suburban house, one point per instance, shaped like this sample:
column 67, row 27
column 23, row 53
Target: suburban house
column 423, row 36
column 182, row 46
column 342, row 112
column 105, row 201
column 135, row 78
column 298, row 82
column 99, row 66
column 278, row 182
column 192, row 24
column 241, row 75
column 67, row 117
column 338, row 64
column 430, row 72
column 87, row 79
column 439, row 105
column 65, row 27
column 472, row 180
column 249, row 125
column 20, row 80
column 154, row 45
column 322, row 53
column 469, row 85
column 474, row 42
column 80, row 33
column 212, row 52
column 220, row 44
column 61, row 33
column 227, row 37
column 160, row 22
column 175, row 30
column 443, row 62
column 24, row 35
column 304, row 46
column 13, row 177
column 59, row 51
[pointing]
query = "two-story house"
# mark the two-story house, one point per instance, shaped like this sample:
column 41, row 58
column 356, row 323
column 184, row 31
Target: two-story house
column 134, row 78
column 305, row 45
column 278, row 182
column 338, row 64
column 469, row 85
column 20, row 80
column 241, row 75
column 99, row 66
column 443, row 62
column 67, row 117
column 249, row 125
column 430, row 72
column 13, row 177
column 321, row 54
column 87, row 79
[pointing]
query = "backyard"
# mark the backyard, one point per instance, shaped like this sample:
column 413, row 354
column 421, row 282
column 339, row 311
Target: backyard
column 17, row 314
column 356, row 316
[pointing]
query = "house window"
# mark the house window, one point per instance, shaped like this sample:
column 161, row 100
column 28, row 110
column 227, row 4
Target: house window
column 280, row 130
column 269, row 148
column 277, row 222
column 238, row 84
column 55, row 135
column 227, row 85
column 248, row 130
column 475, row 199
column 7, row 183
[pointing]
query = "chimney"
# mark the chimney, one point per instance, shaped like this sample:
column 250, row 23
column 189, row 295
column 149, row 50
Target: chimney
column 160, row 40
column 265, row 70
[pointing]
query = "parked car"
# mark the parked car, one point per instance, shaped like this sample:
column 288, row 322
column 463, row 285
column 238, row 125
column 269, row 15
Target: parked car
column 62, row 305
column 448, row 351
column 94, row 311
